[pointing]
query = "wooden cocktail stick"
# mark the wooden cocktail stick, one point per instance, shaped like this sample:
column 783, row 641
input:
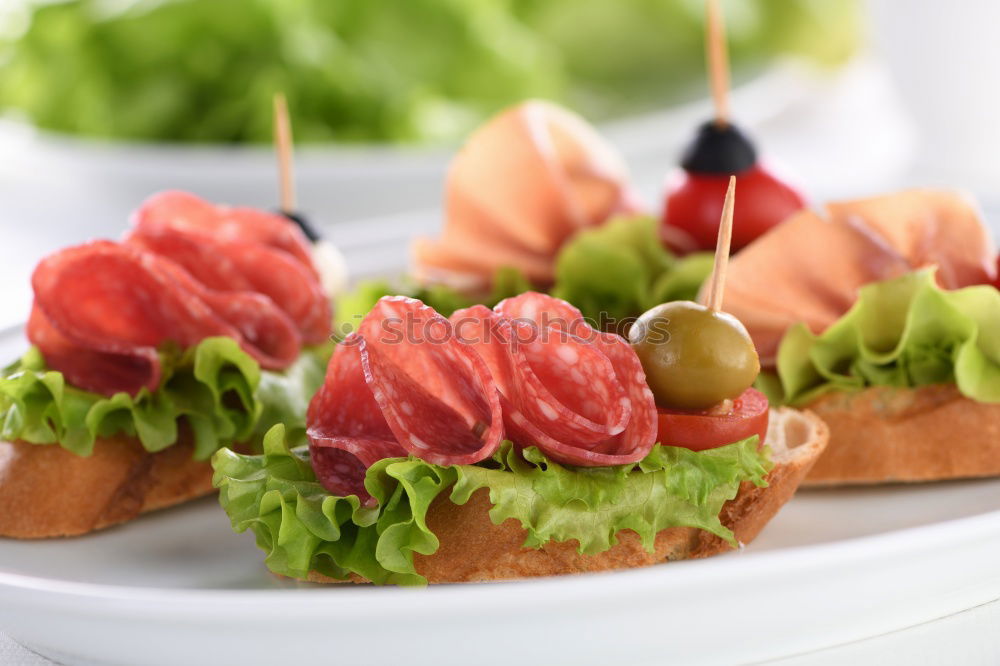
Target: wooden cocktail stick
column 717, row 285
column 328, row 259
column 283, row 149
column 717, row 55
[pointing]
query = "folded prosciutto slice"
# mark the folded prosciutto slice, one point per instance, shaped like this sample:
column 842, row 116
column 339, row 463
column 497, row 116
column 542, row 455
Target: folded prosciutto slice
column 237, row 249
column 578, row 394
column 929, row 227
column 809, row 268
column 102, row 309
column 402, row 384
column 520, row 187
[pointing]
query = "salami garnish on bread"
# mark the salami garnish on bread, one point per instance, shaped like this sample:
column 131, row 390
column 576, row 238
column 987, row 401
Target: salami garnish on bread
column 578, row 394
column 133, row 377
column 402, row 384
column 269, row 263
column 102, row 309
column 183, row 210
column 188, row 270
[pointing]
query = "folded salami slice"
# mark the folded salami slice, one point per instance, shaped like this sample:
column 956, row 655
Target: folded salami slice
column 234, row 266
column 347, row 432
column 548, row 376
column 424, row 393
column 264, row 330
column 100, row 371
column 228, row 223
column 557, row 386
column 102, row 309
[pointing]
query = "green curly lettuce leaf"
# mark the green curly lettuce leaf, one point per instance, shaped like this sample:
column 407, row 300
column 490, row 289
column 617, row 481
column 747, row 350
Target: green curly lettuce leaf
column 621, row 269
column 303, row 528
column 214, row 387
column 284, row 396
column 906, row 332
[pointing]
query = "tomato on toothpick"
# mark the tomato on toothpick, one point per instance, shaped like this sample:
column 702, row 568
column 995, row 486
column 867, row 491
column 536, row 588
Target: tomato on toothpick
column 701, row 430
column 692, row 202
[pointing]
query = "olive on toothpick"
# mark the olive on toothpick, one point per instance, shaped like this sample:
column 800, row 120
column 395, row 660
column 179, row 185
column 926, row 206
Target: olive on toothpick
column 719, row 150
column 696, row 356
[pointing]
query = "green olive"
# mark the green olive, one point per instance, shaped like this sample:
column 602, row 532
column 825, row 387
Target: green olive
column 694, row 358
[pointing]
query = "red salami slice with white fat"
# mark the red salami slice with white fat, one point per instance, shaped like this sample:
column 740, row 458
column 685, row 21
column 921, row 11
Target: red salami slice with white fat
column 235, row 266
column 109, row 301
column 548, row 377
column 424, row 390
column 104, row 372
column 553, row 369
column 347, row 432
column 227, row 223
column 265, row 331
column 437, row 394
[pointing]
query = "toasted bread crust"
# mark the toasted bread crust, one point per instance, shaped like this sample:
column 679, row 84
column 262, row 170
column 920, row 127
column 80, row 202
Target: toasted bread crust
column 46, row 491
column 473, row 549
column 884, row 434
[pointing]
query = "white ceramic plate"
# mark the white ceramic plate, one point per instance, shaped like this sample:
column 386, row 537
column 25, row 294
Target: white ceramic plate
column 178, row 587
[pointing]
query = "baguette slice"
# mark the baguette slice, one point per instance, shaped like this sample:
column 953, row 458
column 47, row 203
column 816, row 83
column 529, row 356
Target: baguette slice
column 884, row 434
column 473, row 549
column 47, row 491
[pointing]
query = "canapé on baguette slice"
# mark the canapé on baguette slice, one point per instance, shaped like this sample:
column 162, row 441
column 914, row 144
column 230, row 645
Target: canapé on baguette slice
column 473, row 549
column 903, row 366
column 204, row 325
column 886, row 434
column 47, row 491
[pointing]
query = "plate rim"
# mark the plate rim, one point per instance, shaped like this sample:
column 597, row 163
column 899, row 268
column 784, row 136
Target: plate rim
column 361, row 599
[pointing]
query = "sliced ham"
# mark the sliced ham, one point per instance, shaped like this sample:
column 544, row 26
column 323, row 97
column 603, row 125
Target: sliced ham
column 930, row 227
column 435, row 261
column 527, row 180
column 809, row 269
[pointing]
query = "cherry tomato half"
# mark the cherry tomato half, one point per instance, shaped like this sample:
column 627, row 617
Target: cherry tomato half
column 694, row 205
column 702, row 430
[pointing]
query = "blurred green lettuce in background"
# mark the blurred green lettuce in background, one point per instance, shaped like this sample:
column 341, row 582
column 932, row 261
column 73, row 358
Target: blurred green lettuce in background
column 374, row 70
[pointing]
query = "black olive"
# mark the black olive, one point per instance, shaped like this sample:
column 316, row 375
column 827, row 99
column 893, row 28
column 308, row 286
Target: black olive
column 719, row 149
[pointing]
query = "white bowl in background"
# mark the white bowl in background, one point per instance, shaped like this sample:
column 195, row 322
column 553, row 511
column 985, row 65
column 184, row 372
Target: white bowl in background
column 839, row 133
column 799, row 112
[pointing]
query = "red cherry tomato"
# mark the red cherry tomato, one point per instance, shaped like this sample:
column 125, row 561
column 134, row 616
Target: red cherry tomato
column 694, row 205
column 702, row 430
